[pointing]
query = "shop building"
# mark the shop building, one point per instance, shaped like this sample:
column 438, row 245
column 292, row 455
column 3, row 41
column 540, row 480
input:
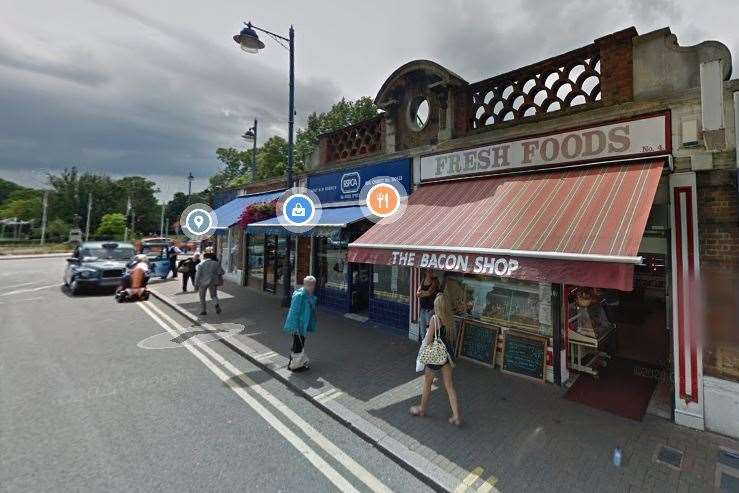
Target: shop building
column 232, row 244
column 572, row 207
column 322, row 250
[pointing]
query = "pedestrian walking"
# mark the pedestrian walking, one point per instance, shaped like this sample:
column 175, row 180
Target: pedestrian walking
column 208, row 276
column 435, row 357
column 301, row 319
column 172, row 252
column 426, row 295
column 187, row 268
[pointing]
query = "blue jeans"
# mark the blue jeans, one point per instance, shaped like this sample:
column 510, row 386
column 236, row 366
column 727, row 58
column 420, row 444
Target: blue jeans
column 424, row 317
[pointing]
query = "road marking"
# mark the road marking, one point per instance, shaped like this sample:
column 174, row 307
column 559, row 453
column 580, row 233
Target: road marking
column 265, row 356
column 488, row 485
column 319, row 439
column 319, row 463
column 19, row 285
column 329, row 396
column 473, row 476
column 30, row 290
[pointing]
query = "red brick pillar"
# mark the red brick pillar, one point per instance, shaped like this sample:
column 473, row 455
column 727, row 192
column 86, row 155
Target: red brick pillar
column 617, row 66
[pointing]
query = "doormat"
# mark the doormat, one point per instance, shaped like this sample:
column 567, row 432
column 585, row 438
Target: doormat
column 357, row 317
column 622, row 388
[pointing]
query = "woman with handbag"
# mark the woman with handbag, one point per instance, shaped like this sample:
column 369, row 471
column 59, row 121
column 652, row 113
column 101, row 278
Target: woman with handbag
column 301, row 319
column 434, row 354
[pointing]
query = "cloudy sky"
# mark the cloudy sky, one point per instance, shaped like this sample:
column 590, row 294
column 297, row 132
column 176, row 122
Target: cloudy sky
column 154, row 87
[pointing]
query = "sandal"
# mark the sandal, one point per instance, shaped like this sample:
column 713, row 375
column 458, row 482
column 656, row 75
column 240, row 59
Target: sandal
column 455, row 421
column 417, row 412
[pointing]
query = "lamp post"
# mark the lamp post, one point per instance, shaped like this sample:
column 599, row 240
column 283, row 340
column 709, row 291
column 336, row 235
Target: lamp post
column 190, row 178
column 251, row 136
column 249, row 42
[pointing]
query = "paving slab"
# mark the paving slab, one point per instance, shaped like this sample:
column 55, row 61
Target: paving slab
column 519, row 433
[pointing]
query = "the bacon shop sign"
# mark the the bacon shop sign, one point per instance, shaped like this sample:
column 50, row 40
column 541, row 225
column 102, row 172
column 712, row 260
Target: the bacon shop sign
column 644, row 136
column 457, row 262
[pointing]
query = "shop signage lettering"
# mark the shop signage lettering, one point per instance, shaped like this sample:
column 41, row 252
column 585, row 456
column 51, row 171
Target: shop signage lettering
column 344, row 186
column 643, row 136
column 481, row 264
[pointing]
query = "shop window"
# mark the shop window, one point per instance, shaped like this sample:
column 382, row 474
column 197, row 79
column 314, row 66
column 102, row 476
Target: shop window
column 391, row 283
column 331, row 264
column 512, row 303
column 255, row 259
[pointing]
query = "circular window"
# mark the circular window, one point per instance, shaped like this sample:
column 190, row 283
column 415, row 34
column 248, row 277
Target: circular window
column 420, row 110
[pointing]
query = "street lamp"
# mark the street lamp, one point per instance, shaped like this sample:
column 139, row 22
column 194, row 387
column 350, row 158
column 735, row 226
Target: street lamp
column 251, row 136
column 249, row 42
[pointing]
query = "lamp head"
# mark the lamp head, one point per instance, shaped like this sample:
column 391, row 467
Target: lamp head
column 249, row 135
column 249, row 40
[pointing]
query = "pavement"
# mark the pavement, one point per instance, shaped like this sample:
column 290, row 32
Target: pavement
column 101, row 396
column 518, row 435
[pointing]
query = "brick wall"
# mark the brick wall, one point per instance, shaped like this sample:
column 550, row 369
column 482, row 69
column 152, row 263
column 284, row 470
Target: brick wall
column 718, row 219
column 617, row 66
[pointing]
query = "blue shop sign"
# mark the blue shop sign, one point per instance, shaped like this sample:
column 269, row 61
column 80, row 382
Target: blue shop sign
column 345, row 185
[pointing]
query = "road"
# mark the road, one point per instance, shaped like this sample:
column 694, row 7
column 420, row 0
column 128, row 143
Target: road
column 91, row 400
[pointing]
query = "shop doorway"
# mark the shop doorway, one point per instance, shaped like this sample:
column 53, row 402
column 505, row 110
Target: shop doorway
column 360, row 288
column 275, row 250
column 618, row 344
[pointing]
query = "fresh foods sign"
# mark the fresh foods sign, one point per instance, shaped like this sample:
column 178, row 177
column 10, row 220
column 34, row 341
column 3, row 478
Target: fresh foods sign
column 644, row 136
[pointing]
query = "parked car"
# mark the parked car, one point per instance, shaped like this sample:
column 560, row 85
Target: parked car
column 97, row 265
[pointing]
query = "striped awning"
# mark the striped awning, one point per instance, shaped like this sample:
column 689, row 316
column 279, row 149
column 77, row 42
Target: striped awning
column 577, row 226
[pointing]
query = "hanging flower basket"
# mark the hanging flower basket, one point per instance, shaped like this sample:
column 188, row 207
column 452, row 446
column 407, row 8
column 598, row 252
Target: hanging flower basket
column 257, row 212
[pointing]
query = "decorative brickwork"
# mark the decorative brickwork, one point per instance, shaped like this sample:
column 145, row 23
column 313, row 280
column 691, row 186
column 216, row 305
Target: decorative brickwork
column 358, row 140
column 600, row 71
column 562, row 82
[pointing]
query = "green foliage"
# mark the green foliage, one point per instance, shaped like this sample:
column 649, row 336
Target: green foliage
column 23, row 203
column 272, row 155
column 341, row 114
column 57, row 230
column 6, row 188
column 179, row 203
column 112, row 226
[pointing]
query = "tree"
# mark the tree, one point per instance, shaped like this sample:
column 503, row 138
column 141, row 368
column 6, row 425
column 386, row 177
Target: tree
column 272, row 158
column 6, row 188
column 179, row 203
column 342, row 114
column 272, row 155
column 112, row 226
column 236, row 164
column 23, row 203
column 143, row 201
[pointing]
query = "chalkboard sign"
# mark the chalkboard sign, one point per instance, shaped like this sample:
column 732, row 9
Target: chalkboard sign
column 524, row 355
column 477, row 342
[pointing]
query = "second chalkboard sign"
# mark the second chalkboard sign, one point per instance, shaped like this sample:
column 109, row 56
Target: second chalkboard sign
column 478, row 342
column 524, row 355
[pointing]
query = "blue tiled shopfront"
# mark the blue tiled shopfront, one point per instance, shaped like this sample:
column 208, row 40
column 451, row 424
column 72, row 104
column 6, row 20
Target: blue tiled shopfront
column 363, row 289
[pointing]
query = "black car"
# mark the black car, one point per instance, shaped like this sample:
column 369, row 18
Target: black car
column 97, row 264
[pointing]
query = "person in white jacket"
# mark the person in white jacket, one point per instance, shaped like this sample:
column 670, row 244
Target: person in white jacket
column 208, row 276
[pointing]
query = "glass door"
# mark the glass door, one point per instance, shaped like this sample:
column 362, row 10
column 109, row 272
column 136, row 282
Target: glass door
column 270, row 263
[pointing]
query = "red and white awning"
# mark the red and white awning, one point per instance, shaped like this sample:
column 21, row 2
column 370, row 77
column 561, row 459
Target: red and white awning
column 577, row 226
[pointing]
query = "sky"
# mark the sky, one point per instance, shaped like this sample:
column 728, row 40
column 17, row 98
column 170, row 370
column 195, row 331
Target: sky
column 153, row 88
